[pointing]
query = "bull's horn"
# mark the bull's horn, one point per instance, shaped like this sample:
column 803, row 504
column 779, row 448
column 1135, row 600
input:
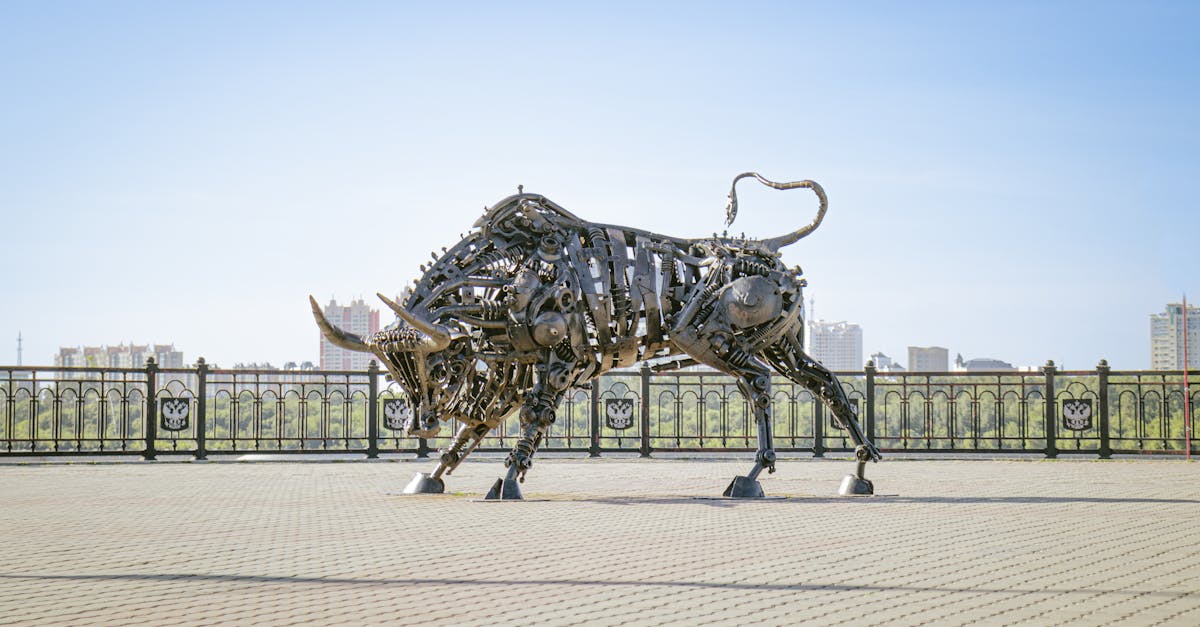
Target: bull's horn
column 438, row 335
column 348, row 341
column 776, row 243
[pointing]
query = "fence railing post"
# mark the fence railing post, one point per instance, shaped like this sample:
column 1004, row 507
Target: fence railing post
column 1102, row 371
column 818, row 448
column 1051, row 413
column 594, row 418
column 201, row 407
column 372, row 410
column 869, row 371
column 645, row 417
column 151, row 415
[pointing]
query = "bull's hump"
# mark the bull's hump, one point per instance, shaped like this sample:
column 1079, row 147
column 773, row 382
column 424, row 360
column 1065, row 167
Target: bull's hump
column 510, row 203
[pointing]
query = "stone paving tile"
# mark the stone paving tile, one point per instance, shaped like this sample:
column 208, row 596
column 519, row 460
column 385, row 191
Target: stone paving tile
column 608, row 541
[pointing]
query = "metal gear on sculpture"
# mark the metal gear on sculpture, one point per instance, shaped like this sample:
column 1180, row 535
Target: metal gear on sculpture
column 535, row 301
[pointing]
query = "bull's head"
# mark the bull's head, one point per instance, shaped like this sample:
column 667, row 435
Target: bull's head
column 433, row 363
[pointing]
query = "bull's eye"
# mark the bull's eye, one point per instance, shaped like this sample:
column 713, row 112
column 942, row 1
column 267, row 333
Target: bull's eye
column 438, row 372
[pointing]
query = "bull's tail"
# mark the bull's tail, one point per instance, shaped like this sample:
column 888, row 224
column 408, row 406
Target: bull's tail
column 775, row 243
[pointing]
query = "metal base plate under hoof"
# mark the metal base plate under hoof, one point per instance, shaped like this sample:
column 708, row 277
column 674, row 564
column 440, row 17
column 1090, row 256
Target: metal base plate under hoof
column 744, row 488
column 504, row 491
column 424, row 484
column 856, row 486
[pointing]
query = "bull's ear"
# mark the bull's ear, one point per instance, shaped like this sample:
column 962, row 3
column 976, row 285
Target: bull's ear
column 348, row 341
column 438, row 336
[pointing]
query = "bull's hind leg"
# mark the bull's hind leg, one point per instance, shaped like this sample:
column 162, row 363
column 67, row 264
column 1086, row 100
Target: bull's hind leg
column 754, row 382
column 794, row 364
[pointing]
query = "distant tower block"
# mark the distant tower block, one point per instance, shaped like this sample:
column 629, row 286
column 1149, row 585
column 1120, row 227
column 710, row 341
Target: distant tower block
column 836, row 345
column 356, row 318
column 928, row 359
column 1166, row 338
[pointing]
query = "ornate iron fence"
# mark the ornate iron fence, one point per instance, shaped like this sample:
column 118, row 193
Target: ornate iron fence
column 46, row 411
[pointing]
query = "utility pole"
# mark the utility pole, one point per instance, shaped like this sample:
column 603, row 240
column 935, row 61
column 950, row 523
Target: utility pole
column 812, row 319
column 1187, row 396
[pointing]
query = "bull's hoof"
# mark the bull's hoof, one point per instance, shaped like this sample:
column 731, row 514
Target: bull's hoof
column 504, row 490
column 744, row 488
column 853, row 485
column 425, row 484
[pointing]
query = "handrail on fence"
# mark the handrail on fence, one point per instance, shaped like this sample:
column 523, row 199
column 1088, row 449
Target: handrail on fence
column 202, row 410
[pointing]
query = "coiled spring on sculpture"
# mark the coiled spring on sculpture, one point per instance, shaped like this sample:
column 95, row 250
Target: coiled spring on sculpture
column 564, row 351
column 492, row 310
column 502, row 260
column 596, row 236
column 397, row 340
column 709, row 303
column 746, row 267
column 738, row 357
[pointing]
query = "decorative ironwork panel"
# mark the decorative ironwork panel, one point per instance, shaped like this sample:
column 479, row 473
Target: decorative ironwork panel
column 270, row 411
column 1147, row 411
column 960, row 412
column 51, row 411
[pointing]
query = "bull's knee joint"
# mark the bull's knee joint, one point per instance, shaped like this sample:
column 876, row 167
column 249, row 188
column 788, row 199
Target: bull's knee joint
column 762, row 401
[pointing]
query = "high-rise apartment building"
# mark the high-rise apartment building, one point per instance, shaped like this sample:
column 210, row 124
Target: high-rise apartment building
column 119, row 356
column 928, row 359
column 355, row 318
column 836, row 345
column 1166, row 338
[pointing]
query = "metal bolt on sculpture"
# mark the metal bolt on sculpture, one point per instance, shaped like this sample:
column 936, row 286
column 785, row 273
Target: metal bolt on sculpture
column 535, row 301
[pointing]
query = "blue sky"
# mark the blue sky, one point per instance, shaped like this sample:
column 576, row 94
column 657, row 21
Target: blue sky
column 1007, row 180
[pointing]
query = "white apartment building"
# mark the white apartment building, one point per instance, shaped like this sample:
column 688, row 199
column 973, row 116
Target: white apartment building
column 1166, row 338
column 119, row 356
column 836, row 345
column 354, row 318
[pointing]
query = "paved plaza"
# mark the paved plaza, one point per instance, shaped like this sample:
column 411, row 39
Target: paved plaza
column 606, row 541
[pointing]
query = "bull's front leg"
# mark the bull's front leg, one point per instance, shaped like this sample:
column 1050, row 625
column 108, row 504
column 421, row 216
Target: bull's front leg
column 537, row 414
column 432, row 483
column 825, row 386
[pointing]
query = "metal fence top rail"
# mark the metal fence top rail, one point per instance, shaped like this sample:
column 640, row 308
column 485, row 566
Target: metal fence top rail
column 633, row 371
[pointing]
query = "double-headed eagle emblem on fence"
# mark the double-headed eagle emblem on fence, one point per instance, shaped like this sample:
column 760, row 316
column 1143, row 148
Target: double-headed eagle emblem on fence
column 174, row 413
column 1077, row 414
column 618, row 413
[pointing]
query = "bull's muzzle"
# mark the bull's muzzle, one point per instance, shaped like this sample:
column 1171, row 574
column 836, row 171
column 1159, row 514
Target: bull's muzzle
column 423, row 423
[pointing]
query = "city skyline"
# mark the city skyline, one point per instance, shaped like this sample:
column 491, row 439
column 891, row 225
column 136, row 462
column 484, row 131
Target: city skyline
column 1014, row 176
column 837, row 345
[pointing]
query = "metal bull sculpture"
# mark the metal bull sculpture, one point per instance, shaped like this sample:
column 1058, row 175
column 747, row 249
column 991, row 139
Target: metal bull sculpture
column 535, row 301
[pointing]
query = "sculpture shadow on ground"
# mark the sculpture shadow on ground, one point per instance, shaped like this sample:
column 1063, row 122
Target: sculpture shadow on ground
column 806, row 499
column 583, row 583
